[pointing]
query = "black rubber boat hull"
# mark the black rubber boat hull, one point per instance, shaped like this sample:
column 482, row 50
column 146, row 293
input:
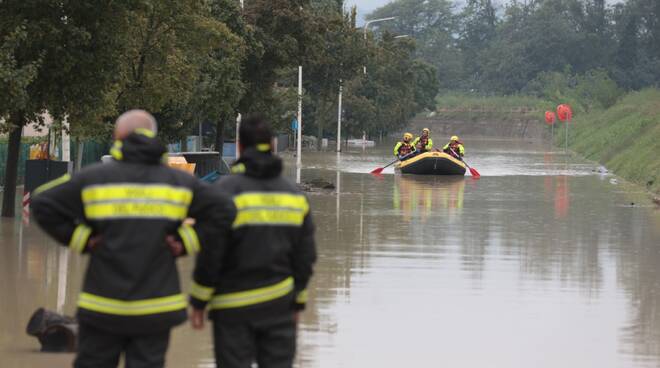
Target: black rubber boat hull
column 432, row 163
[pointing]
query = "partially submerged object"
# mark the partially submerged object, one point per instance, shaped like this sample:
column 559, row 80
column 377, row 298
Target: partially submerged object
column 432, row 163
column 56, row 333
column 316, row 185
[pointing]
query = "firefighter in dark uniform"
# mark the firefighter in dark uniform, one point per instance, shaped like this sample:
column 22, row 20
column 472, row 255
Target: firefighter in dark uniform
column 256, row 283
column 120, row 214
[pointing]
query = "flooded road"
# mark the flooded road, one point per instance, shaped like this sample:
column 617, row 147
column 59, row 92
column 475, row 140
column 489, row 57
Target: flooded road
column 541, row 263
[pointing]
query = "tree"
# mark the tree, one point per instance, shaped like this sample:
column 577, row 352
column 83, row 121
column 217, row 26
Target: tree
column 88, row 60
column 336, row 53
column 14, row 79
column 218, row 87
column 433, row 26
column 280, row 33
column 67, row 53
column 477, row 30
column 426, row 85
column 225, row 78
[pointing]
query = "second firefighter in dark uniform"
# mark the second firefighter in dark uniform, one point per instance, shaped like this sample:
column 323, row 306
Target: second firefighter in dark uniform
column 120, row 214
column 255, row 282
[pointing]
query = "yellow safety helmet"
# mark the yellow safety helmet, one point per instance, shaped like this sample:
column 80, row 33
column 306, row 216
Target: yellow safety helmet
column 454, row 138
column 407, row 136
column 426, row 130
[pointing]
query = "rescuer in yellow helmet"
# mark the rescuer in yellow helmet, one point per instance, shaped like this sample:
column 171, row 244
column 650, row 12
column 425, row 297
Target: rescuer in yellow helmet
column 454, row 147
column 423, row 143
column 404, row 148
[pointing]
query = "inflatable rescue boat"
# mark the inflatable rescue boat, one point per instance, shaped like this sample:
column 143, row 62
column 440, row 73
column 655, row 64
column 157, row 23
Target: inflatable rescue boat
column 431, row 163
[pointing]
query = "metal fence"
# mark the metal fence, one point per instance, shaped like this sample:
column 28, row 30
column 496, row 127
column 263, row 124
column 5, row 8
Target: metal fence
column 92, row 153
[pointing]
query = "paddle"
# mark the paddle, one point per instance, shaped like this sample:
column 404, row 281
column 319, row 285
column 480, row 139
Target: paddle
column 380, row 169
column 474, row 172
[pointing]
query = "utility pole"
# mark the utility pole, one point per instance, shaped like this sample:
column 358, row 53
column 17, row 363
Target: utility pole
column 238, row 127
column 299, row 133
column 238, row 116
column 339, row 117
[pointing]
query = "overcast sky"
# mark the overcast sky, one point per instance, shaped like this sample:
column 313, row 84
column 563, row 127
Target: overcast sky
column 365, row 7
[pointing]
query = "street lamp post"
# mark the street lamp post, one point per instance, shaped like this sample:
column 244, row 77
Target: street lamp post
column 366, row 27
column 238, row 116
column 339, row 112
column 339, row 118
column 299, row 132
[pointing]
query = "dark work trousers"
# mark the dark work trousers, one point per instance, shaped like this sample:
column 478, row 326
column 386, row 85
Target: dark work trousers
column 101, row 349
column 269, row 342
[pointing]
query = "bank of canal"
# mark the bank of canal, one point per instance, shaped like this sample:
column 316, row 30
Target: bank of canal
column 541, row 263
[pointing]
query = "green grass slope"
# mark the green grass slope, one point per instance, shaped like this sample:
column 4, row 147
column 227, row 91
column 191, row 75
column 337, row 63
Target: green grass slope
column 625, row 138
column 469, row 107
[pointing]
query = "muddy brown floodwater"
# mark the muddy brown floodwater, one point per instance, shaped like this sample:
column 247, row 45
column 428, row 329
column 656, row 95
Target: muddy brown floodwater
column 544, row 262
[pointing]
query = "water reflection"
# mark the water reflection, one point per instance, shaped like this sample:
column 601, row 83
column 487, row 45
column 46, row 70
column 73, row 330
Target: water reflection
column 420, row 196
column 34, row 272
column 543, row 270
column 492, row 272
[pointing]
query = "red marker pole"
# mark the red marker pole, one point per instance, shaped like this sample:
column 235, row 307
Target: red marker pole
column 550, row 119
column 552, row 132
column 565, row 114
column 567, row 121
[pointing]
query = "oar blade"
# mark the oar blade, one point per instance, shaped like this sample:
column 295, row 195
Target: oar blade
column 377, row 171
column 475, row 173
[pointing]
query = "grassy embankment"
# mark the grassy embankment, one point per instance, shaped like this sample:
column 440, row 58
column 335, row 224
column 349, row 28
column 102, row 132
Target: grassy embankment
column 625, row 138
column 472, row 108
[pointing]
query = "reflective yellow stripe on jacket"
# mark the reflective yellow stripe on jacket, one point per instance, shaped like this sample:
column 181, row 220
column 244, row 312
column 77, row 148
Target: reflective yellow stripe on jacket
column 190, row 240
column 79, row 238
column 251, row 297
column 201, row 292
column 301, row 297
column 134, row 307
column 130, row 200
column 53, row 183
column 264, row 208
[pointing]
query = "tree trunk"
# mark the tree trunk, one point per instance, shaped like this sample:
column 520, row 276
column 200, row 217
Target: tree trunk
column 184, row 144
column 79, row 154
column 220, row 134
column 11, row 169
column 319, row 136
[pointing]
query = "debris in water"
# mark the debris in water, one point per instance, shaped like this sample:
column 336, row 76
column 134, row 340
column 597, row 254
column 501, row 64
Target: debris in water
column 315, row 185
column 57, row 333
column 601, row 170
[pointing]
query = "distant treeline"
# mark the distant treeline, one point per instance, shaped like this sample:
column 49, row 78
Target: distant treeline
column 535, row 47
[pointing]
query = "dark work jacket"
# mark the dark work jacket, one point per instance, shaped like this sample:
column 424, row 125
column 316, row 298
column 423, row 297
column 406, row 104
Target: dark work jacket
column 131, row 285
column 265, row 262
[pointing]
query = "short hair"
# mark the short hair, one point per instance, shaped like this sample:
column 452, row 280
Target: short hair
column 254, row 130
